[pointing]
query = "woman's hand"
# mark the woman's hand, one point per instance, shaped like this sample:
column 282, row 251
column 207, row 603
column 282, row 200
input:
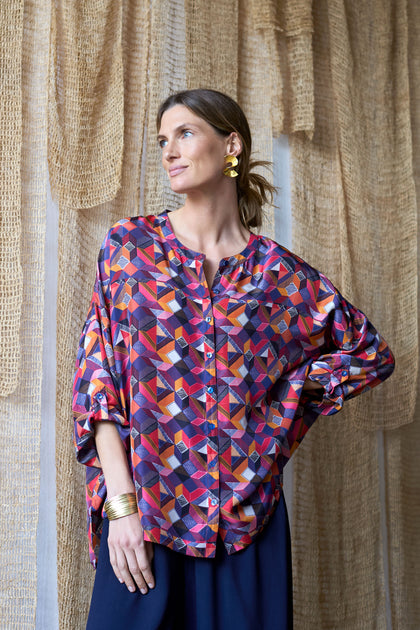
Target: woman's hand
column 130, row 555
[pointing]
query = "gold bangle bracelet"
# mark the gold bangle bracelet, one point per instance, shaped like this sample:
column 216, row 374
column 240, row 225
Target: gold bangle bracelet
column 121, row 505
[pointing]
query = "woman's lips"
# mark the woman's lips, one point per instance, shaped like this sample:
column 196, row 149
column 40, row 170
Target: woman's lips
column 176, row 170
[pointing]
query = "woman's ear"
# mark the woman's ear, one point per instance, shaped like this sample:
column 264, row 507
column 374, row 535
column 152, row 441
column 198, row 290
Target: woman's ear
column 234, row 144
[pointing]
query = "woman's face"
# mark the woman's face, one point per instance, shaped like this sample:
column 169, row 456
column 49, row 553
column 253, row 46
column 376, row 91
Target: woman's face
column 192, row 151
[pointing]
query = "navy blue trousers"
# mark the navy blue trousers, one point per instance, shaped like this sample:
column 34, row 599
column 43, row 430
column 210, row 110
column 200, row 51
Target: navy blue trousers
column 248, row 590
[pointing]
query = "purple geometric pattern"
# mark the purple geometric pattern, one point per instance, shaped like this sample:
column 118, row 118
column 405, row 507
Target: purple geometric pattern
column 205, row 385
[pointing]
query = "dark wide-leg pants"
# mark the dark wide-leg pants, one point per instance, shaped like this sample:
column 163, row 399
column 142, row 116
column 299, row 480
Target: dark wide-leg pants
column 248, row 590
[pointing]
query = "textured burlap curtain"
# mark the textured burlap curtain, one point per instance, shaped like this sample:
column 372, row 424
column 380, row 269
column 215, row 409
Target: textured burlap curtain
column 343, row 81
column 355, row 218
column 401, row 446
column 339, row 82
column 122, row 95
column 11, row 29
column 24, row 37
column 86, row 102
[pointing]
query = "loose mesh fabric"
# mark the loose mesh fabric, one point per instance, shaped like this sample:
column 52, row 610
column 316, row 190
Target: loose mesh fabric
column 343, row 213
column 11, row 289
column 287, row 29
column 80, row 234
column 24, row 38
column 401, row 446
column 86, row 102
column 355, row 218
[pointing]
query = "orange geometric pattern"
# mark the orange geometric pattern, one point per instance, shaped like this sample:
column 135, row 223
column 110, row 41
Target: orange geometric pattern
column 205, row 384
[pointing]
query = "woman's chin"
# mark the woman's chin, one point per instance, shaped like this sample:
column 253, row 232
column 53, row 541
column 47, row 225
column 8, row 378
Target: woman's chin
column 178, row 188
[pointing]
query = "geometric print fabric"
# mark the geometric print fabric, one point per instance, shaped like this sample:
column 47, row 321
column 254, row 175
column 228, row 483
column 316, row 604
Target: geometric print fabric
column 205, row 384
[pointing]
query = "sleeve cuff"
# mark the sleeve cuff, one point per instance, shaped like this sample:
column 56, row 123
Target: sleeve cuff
column 333, row 384
column 101, row 410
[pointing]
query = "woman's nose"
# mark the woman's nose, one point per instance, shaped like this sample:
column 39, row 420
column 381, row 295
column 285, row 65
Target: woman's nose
column 171, row 150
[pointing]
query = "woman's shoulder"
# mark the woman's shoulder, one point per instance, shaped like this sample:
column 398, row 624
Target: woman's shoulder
column 278, row 257
column 136, row 223
column 136, row 229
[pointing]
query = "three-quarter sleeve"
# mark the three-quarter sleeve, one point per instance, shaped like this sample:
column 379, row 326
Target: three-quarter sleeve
column 354, row 357
column 97, row 392
column 339, row 349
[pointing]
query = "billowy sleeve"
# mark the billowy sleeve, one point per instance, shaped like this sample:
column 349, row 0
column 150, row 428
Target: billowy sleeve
column 340, row 350
column 98, row 394
column 97, row 391
column 354, row 356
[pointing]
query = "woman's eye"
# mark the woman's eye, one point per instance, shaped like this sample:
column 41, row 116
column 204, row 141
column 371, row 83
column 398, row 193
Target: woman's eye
column 163, row 143
column 186, row 133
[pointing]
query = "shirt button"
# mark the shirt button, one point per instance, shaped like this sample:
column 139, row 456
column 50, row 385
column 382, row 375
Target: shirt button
column 210, row 389
column 344, row 372
column 216, row 291
column 214, row 502
column 209, row 355
column 208, row 319
column 99, row 396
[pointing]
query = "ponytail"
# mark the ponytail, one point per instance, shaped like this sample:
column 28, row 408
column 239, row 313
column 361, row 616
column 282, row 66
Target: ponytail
column 254, row 190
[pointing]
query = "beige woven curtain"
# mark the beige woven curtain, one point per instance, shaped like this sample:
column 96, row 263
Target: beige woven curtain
column 212, row 45
column 287, row 30
column 366, row 219
column 24, row 36
column 166, row 55
column 86, row 102
column 342, row 79
column 327, row 73
column 401, row 446
column 80, row 234
column 11, row 27
column 355, row 218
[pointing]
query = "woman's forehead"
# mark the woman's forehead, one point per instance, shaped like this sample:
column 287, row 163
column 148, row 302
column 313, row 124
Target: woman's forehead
column 179, row 115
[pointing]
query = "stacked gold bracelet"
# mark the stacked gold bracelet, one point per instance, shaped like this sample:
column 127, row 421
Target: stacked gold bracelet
column 121, row 505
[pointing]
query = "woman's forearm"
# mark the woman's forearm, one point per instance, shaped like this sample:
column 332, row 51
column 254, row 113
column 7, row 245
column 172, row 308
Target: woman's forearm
column 113, row 458
column 130, row 556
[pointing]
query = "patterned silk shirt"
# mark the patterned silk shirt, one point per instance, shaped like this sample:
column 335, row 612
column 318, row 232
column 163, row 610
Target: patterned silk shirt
column 205, row 384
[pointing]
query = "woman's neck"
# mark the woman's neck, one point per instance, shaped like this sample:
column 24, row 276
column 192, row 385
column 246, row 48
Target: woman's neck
column 210, row 224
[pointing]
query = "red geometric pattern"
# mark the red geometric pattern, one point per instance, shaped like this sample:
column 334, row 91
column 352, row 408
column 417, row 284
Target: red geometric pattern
column 205, row 384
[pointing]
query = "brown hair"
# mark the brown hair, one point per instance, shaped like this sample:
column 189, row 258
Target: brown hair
column 225, row 116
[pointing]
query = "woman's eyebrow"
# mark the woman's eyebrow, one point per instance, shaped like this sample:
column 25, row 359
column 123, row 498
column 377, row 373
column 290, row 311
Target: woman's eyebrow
column 178, row 128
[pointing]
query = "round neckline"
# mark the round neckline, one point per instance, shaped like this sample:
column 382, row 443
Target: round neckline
column 190, row 253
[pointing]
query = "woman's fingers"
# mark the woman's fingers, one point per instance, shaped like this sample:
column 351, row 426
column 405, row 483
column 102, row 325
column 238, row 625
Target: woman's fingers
column 144, row 558
column 136, row 568
column 123, row 569
column 129, row 554
column 113, row 561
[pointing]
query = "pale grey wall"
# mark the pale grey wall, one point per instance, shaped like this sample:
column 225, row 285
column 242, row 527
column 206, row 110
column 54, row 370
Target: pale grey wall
column 47, row 610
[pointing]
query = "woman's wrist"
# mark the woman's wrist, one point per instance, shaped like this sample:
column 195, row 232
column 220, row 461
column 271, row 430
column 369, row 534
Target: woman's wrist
column 121, row 505
column 115, row 486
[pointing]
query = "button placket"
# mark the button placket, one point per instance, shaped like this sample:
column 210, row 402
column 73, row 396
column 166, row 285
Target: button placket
column 209, row 354
column 211, row 413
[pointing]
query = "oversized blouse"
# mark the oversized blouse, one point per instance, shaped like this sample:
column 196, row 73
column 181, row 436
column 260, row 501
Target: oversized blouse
column 205, row 384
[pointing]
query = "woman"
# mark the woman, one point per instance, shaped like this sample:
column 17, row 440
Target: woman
column 207, row 354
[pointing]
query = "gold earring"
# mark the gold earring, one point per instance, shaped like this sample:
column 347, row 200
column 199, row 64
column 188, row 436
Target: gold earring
column 231, row 161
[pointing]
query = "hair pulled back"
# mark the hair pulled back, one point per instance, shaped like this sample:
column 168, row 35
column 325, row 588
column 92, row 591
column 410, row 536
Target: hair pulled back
column 225, row 116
